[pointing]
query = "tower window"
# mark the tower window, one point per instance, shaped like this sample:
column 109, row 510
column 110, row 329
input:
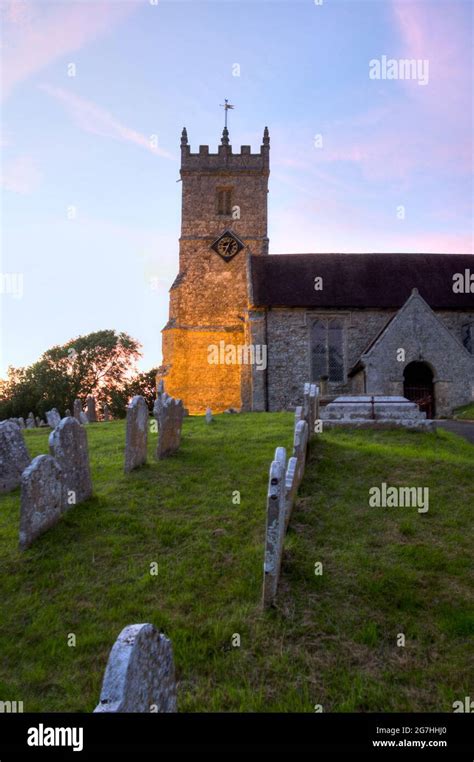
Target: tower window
column 224, row 201
column 327, row 353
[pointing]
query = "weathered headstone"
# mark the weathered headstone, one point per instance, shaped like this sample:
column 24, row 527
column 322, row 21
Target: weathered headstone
column 140, row 675
column 91, row 411
column 21, row 422
column 158, row 406
column 298, row 413
column 14, row 456
column 38, row 420
column 67, row 413
column 169, row 427
column 275, row 527
column 313, row 399
column 300, row 445
column 291, row 488
column 43, row 424
column 53, row 418
column 30, row 421
column 306, row 404
column 68, row 444
column 77, row 409
column 83, row 418
column 137, row 434
column 209, row 418
column 41, row 498
column 106, row 413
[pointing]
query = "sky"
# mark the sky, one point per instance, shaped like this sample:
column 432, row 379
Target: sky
column 94, row 96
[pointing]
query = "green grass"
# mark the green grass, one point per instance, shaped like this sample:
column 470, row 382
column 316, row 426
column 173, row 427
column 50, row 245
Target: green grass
column 331, row 639
column 465, row 413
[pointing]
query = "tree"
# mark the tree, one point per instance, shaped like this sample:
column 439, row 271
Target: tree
column 102, row 363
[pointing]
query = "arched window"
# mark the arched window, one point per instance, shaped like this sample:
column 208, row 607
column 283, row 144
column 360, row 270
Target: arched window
column 327, row 353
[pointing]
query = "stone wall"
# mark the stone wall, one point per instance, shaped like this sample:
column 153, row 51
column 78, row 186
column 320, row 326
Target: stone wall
column 289, row 358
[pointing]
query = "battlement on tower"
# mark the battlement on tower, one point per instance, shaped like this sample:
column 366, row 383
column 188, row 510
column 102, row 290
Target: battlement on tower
column 225, row 159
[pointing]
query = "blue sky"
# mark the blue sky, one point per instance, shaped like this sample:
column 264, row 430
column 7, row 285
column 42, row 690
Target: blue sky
column 103, row 145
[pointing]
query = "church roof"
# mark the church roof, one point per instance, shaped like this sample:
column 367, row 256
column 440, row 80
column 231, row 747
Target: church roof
column 358, row 280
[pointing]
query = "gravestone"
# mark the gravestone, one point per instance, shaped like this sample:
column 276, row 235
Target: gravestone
column 158, row 406
column 300, row 444
column 291, row 488
column 275, row 528
column 38, row 420
column 41, row 498
column 209, row 418
column 140, row 675
column 14, row 456
column 67, row 413
column 83, row 418
column 306, row 404
column 298, row 413
column 53, row 418
column 68, row 444
column 313, row 406
column 30, row 421
column 169, row 426
column 91, row 411
column 21, row 423
column 106, row 413
column 43, row 424
column 137, row 434
column 77, row 409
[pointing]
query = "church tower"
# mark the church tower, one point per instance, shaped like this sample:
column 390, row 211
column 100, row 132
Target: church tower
column 223, row 221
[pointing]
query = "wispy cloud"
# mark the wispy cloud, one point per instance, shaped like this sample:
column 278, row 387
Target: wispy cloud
column 20, row 175
column 94, row 119
column 441, row 33
column 37, row 34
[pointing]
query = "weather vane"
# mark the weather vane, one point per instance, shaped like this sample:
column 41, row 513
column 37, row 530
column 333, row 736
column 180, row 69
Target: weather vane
column 226, row 106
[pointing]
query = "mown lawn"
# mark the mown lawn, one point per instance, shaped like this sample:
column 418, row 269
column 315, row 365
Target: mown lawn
column 331, row 639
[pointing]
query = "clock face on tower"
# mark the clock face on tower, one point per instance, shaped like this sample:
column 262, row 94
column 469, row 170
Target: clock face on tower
column 227, row 245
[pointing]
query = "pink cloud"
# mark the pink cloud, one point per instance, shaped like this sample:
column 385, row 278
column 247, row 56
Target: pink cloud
column 92, row 118
column 21, row 175
column 441, row 33
column 36, row 35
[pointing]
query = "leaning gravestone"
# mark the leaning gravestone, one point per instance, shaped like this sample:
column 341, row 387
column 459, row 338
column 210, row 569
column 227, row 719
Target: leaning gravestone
column 77, row 407
column 53, row 418
column 169, row 426
column 137, row 434
column 14, row 456
column 91, row 411
column 140, row 675
column 41, row 498
column 68, row 444
column 30, row 421
column 275, row 527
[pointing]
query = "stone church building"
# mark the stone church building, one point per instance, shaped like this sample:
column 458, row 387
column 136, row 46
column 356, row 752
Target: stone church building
column 247, row 328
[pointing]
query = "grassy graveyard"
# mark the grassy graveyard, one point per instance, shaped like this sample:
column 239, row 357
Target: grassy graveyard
column 331, row 640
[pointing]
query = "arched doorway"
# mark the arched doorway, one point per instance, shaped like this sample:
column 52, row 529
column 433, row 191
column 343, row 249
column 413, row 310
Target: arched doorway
column 418, row 386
